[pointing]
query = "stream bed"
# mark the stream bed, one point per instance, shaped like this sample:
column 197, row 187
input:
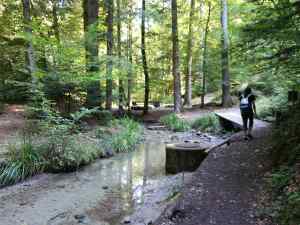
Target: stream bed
column 128, row 188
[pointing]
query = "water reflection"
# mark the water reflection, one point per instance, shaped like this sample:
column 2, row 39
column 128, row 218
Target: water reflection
column 131, row 179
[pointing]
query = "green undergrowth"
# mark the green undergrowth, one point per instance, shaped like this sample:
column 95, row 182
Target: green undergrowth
column 23, row 161
column 208, row 123
column 269, row 106
column 123, row 136
column 285, row 178
column 60, row 148
column 174, row 123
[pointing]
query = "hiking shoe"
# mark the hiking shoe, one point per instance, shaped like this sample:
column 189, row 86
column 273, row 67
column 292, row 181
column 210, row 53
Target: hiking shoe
column 250, row 136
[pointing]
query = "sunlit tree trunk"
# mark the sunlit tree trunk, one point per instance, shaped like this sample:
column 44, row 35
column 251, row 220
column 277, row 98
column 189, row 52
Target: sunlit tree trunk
column 226, row 98
column 205, row 56
column 175, row 59
column 90, row 17
column 188, row 75
column 129, row 82
column 145, row 66
column 110, row 43
column 29, row 58
column 119, row 49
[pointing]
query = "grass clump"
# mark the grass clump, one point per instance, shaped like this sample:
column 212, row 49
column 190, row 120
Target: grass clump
column 123, row 135
column 23, row 160
column 174, row 123
column 208, row 123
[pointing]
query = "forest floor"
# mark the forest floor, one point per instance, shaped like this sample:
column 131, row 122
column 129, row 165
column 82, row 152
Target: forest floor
column 11, row 121
column 227, row 187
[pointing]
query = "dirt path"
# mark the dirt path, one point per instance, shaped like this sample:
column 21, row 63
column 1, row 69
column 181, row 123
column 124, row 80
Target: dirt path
column 224, row 189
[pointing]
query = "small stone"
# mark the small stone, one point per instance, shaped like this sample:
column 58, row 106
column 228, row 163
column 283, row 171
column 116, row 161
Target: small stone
column 105, row 187
column 80, row 218
column 23, row 203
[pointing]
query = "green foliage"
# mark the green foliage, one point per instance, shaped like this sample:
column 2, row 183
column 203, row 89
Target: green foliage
column 123, row 136
column 281, row 178
column 285, row 179
column 174, row 123
column 83, row 113
column 208, row 123
column 65, row 152
column 23, row 160
column 286, row 195
column 104, row 117
column 268, row 106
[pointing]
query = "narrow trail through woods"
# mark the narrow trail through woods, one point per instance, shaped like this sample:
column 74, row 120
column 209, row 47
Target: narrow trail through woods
column 225, row 189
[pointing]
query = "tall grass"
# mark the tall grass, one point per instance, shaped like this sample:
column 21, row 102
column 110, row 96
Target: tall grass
column 23, row 161
column 127, row 134
column 174, row 123
column 208, row 123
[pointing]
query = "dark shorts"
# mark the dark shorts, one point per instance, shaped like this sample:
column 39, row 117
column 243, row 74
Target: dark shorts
column 247, row 115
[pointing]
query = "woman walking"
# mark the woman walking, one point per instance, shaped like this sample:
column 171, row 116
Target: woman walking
column 248, row 110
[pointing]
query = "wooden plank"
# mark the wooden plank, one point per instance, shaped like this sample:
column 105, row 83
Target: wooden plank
column 234, row 116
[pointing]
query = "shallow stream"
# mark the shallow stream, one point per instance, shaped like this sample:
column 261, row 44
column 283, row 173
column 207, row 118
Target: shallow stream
column 131, row 187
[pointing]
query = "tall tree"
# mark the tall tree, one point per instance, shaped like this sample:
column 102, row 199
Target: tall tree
column 30, row 58
column 90, row 16
column 226, row 98
column 119, row 50
column 189, row 63
column 130, row 59
column 205, row 58
column 144, row 57
column 175, row 59
column 110, row 44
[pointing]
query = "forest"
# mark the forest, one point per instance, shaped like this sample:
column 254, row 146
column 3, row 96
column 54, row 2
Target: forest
column 87, row 85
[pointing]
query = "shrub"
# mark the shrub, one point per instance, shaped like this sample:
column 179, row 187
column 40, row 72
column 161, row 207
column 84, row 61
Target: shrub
column 64, row 152
column 269, row 106
column 127, row 133
column 83, row 113
column 104, row 117
column 173, row 122
column 24, row 160
column 208, row 123
column 285, row 179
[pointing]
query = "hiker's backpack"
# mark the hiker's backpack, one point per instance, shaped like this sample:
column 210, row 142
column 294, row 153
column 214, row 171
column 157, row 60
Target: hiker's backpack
column 244, row 103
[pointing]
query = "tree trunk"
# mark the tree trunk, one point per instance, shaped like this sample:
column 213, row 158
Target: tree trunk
column 55, row 21
column 110, row 44
column 90, row 16
column 29, row 58
column 175, row 59
column 204, row 58
column 145, row 66
column 119, row 49
column 188, row 76
column 226, row 98
column 129, row 84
